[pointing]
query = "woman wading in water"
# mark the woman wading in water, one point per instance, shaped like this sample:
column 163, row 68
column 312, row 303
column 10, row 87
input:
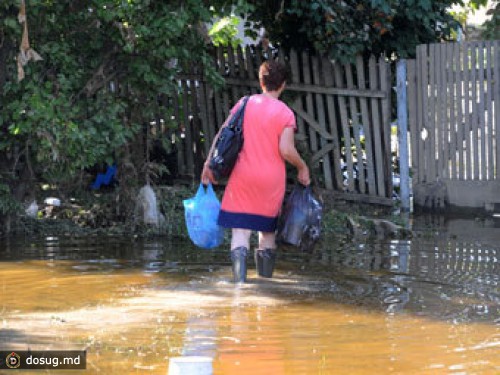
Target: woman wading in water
column 255, row 190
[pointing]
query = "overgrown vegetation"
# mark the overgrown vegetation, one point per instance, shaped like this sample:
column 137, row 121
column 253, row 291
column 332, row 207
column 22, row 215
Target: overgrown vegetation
column 107, row 64
column 492, row 26
column 91, row 213
column 343, row 29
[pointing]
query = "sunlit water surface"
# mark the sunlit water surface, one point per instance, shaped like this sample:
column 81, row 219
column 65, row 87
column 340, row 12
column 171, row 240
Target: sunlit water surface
column 425, row 306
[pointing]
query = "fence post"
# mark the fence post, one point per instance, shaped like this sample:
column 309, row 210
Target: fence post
column 404, row 168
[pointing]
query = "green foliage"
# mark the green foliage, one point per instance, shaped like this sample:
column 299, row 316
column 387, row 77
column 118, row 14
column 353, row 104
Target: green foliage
column 104, row 64
column 224, row 32
column 8, row 205
column 345, row 28
column 492, row 27
column 475, row 4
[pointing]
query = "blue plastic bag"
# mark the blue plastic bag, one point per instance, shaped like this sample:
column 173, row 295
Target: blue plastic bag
column 201, row 212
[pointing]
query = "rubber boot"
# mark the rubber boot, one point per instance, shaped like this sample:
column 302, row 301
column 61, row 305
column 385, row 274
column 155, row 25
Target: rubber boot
column 264, row 261
column 239, row 260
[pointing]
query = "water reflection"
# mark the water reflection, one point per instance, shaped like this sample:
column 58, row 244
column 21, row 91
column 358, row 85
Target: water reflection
column 435, row 274
column 430, row 304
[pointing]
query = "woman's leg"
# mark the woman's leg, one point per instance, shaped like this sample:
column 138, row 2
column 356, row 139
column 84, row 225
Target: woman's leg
column 265, row 255
column 240, row 237
column 240, row 242
column 267, row 240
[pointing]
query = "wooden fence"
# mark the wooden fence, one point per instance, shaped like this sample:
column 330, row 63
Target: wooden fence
column 454, row 112
column 342, row 112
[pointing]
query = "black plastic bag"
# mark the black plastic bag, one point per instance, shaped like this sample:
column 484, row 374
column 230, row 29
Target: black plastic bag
column 229, row 144
column 300, row 220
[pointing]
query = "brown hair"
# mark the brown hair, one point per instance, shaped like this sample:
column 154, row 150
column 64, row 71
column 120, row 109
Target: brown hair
column 272, row 74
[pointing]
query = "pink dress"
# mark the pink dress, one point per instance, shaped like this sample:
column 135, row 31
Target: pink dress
column 256, row 187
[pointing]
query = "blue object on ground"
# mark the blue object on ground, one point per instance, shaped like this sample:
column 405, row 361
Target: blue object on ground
column 104, row 178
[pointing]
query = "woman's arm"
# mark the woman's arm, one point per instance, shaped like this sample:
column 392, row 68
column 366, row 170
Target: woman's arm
column 206, row 174
column 291, row 155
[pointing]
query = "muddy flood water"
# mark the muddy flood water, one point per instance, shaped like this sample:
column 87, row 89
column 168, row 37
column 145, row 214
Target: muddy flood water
column 429, row 305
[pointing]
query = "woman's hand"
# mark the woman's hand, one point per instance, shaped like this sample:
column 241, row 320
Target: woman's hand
column 207, row 175
column 303, row 175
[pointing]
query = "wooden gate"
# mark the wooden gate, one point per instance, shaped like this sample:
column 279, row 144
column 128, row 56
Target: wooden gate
column 454, row 122
column 342, row 111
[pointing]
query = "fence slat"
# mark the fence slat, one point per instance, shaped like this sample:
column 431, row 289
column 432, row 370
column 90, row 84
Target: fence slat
column 432, row 111
column 445, row 110
column 483, row 167
column 496, row 98
column 210, row 112
column 466, row 112
column 426, row 131
column 320, row 110
column 345, row 128
column 459, row 78
column 204, row 118
column 413, row 117
column 251, row 69
column 443, row 147
column 242, row 71
column 178, row 141
column 233, row 72
column 451, row 104
column 385, row 85
column 353, row 106
column 453, row 107
column 377, row 129
column 416, row 136
column 294, row 67
column 295, row 78
column 402, row 116
column 195, row 122
column 437, row 102
column 220, row 95
column 224, row 95
column 437, row 99
column 489, row 109
column 188, row 148
column 332, row 121
column 474, row 122
column 365, row 117
column 309, row 109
